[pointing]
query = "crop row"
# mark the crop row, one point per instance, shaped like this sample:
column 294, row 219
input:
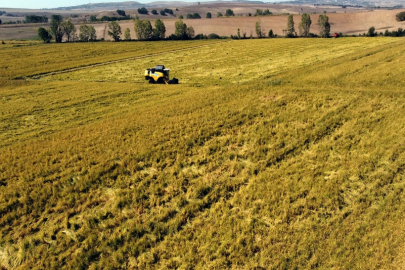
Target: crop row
column 234, row 62
column 32, row 59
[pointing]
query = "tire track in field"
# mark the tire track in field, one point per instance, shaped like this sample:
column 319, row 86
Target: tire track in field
column 327, row 126
column 38, row 76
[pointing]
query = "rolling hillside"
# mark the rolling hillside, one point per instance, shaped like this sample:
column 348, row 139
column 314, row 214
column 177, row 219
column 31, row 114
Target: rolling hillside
column 347, row 21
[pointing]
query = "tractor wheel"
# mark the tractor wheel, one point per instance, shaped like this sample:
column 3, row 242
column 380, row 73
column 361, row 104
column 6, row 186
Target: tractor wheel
column 160, row 80
column 151, row 81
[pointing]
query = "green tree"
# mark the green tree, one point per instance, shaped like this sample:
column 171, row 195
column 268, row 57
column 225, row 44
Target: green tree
column 219, row 14
column 180, row 29
column 147, row 30
column 87, row 33
column 105, row 19
column 193, row 16
column 401, row 16
column 154, row 12
column 324, row 26
column 258, row 28
column 290, row 26
column 143, row 29
column 115, row 30
column 142, row 10
column 208, row 15
column 138, row 28
column 68, row 29
column 305, row 25
column 213, row 36
column 93, row 18
column 271, row 34
column 180, row 17
column 267, row 12
column 36, row 19
column 259, row 12
column 371, row 32
column 44, row 35
column 74, row 36
column 190, row 32
column 169, row 11
column 56, row 28
column 92, row 33
column 160, row 29
column 127, row 34
column 229, row 13
column 0, row 21
column 121, row 12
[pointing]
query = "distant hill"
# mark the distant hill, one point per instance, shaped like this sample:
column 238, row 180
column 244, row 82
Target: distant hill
column 128, row 4
column 125, row 5
column 134, row 4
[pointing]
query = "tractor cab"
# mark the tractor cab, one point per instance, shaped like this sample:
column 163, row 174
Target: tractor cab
column 159, row 74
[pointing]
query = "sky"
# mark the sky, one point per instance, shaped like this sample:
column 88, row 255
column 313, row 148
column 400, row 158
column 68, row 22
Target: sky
column 35, row 4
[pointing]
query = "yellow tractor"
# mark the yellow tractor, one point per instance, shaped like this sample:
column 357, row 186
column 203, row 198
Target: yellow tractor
column 159, row 74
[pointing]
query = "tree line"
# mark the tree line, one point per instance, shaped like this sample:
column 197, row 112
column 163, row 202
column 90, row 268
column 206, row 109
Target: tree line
column 228, row 13
column 36, row 19
column 163, row 12
column 105, row 18
column 155, row 12
column 144, row 30
column 31, row 19
column 395, row 33
column 59, row 28
column 303, row 27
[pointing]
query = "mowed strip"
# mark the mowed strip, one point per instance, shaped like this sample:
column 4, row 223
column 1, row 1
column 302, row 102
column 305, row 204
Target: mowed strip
column 34, row 59
column 230, row 63
column 376, row 68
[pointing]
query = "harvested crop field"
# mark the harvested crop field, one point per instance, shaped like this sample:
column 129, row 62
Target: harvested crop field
column 269, row 154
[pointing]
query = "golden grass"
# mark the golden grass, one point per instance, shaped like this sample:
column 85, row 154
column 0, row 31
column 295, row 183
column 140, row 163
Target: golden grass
column 54, row 57
column 236, row 62
column 291, row 168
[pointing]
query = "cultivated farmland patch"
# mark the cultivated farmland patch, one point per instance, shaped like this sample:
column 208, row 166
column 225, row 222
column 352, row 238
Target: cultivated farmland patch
column 230, row 63
column 296, row 163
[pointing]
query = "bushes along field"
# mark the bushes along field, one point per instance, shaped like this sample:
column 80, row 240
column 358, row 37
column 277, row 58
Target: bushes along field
column 299, row 167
